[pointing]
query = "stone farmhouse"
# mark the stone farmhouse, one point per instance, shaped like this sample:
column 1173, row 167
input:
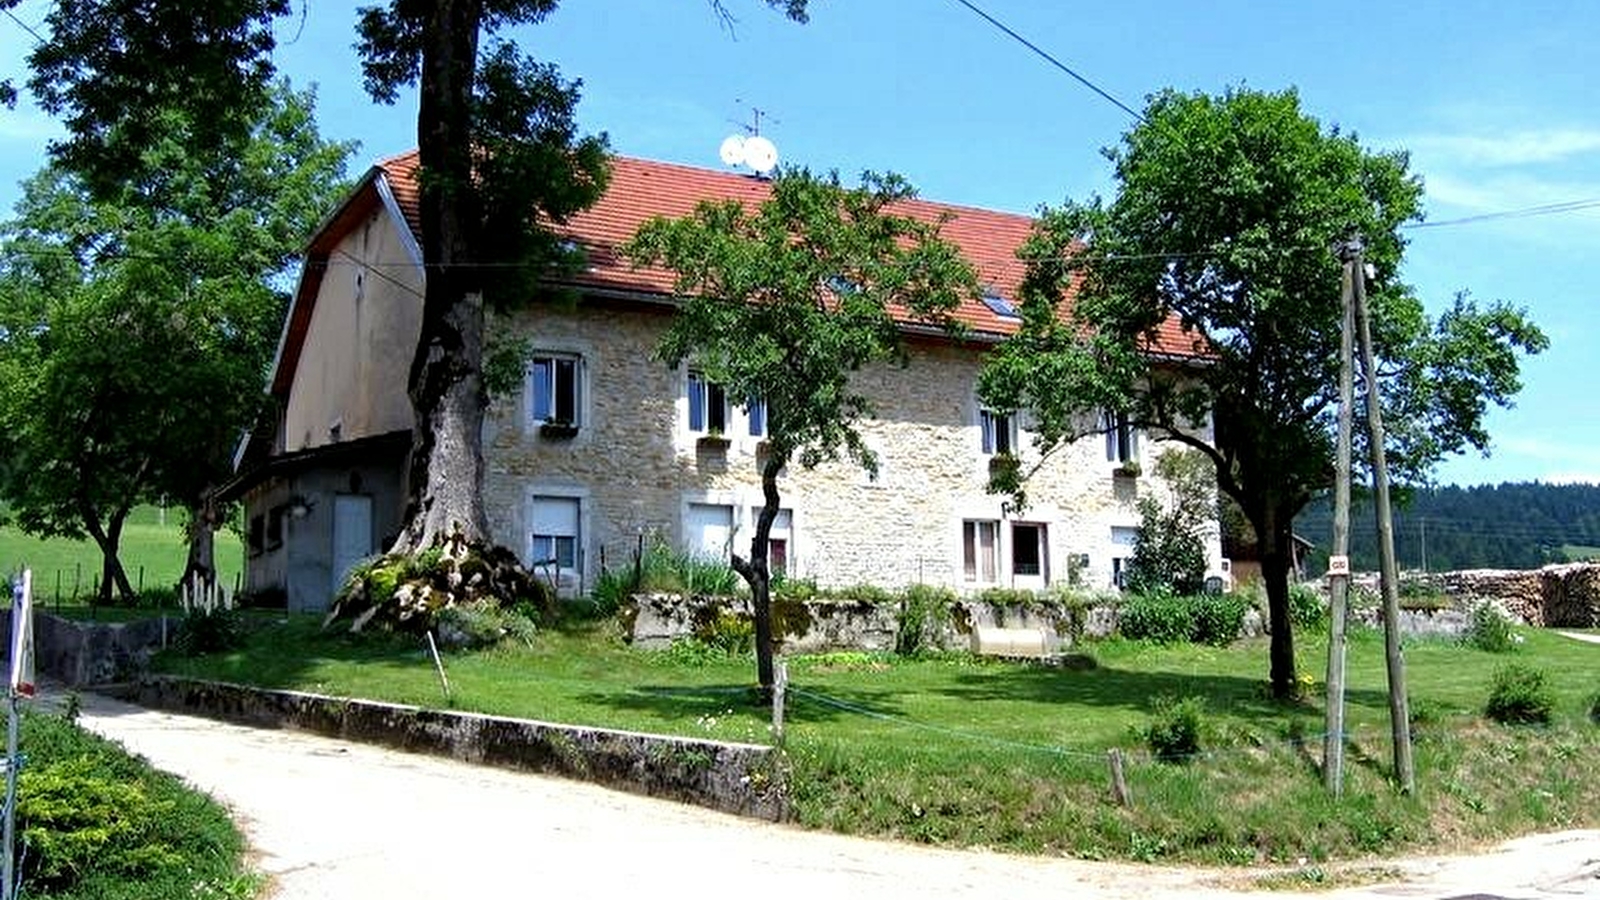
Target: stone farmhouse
column 605, row 448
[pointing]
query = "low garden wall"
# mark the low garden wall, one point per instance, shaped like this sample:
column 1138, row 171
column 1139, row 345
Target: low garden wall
column 815, row 626
column 735, row 778
column 79, row 653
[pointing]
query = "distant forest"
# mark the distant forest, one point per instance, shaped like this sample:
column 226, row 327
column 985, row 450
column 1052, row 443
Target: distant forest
column 1507, row 526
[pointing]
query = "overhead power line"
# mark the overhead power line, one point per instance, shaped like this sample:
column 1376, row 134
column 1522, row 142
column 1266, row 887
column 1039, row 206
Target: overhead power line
column 1045, row 55
column 1527, row 212
column 24, row 26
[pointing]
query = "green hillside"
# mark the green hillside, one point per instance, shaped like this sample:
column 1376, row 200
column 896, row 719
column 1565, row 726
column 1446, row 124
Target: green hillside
column 153, row 554
column 1513, row 525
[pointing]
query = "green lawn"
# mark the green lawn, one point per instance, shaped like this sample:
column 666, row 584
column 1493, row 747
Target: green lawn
column 969, row 752
column 153, row 554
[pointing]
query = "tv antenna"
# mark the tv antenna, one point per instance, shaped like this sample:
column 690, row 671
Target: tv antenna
column 750, row 149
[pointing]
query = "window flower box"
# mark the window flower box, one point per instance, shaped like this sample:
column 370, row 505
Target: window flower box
column 558, row 430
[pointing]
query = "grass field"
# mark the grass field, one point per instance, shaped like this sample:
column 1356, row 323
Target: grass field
column 971, row 752
column 153, row 554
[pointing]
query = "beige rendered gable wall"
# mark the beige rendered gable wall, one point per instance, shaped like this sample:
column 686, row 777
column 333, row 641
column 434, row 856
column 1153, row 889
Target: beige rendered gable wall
column 635, row 470
column 351, row 376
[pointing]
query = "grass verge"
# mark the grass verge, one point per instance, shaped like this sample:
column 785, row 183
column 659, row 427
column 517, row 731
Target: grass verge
column 954, row 750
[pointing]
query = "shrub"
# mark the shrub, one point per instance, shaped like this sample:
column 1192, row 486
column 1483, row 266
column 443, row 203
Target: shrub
column 1157, row 616
column 1218, row 618
column 1173, row 734
column 611, row 590
column 483, row 623
column 797, row 589
column 729, row 634
column 201, row 632
column 1520, row 695
column 99, row 823
column 1489, row 629
column 924, row 613
column 1307, row 608
column 666, row 570
column 1004, row 596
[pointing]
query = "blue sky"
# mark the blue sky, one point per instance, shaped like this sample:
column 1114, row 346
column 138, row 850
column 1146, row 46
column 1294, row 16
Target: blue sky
column 1494, row 101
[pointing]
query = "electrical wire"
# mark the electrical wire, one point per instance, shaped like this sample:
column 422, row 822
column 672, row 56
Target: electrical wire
column 24, row 26
column 1050, row 59
column 1527, row 212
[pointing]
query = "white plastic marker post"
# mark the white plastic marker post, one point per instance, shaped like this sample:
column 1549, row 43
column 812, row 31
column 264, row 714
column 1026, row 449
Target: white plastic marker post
column 438, row 666
column 21, row 686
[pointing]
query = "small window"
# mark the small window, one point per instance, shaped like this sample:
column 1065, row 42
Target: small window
column 999, row 432
column 1122, row 439
column 1028, row 553
column 555, row 534
column 258, row 534
column 980, row 550
column 1000, row 306
column 841, row 286
column 554, row 382
column 756, row 413
column 275, row 527
column 708, row 405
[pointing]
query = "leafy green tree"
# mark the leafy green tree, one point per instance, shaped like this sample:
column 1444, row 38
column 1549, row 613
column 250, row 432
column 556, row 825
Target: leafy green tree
column 1225, row 212
column 499, row 154
column 783, row 303
column 1169, row 551
column 135, row 330
column 500, row 162
column 116, row 70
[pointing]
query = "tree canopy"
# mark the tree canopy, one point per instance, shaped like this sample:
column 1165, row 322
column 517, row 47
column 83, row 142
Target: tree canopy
column 135, row 329
column 1224, row 218
column 782, row 304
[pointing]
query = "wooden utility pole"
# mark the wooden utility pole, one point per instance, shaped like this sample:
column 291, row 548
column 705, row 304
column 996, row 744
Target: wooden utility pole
column 1339, row 561
column 1399, row 713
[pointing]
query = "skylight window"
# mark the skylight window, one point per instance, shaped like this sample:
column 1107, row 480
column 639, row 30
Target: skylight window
column 1000, row 306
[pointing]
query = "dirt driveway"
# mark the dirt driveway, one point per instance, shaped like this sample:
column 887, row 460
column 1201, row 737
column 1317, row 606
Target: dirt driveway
column 331, row 819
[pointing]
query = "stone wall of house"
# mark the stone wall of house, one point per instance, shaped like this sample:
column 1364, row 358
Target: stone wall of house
column 636, row 470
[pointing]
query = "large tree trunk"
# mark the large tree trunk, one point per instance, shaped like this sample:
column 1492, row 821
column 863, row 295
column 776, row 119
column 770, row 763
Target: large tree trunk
column 200, row 570
column 1274, row 535
column 445, row 475
column 108, row 538
column 757, row 572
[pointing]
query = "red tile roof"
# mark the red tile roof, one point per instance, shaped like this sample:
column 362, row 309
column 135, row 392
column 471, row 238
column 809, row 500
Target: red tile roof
column 641, row 189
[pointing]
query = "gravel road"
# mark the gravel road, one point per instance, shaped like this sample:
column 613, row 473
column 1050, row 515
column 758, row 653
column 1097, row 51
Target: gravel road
column 331, row 819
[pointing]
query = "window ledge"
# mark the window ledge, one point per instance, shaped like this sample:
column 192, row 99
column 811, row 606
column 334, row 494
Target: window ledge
column 558, row 430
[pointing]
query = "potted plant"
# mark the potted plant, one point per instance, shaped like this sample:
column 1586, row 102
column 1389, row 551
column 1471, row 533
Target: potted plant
column 558, row 429
column 1129, row 469
column 712, row 441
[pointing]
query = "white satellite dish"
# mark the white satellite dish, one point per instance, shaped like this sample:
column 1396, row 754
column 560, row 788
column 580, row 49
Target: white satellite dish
column 733, row 150
column 760, row 154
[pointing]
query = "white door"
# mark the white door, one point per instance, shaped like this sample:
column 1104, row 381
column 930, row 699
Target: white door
column 352, row 534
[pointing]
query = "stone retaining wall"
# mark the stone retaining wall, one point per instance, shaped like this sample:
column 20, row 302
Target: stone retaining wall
column 736, row 778
column 818, row 626
column 79, row 653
